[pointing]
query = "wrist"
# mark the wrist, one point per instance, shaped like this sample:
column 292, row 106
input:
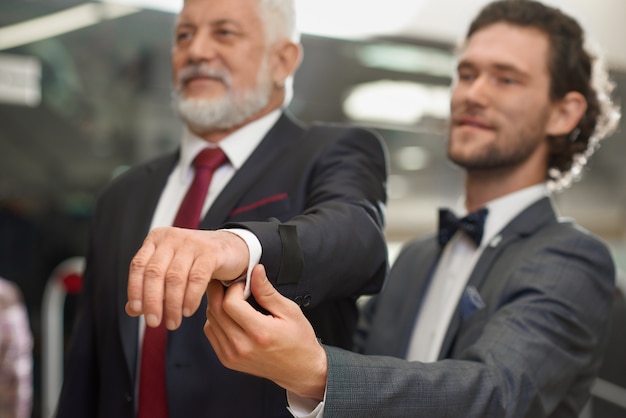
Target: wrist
column 314, row 385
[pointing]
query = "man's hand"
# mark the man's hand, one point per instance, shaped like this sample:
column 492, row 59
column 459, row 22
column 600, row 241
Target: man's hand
column 281, row 346
column 170, row 273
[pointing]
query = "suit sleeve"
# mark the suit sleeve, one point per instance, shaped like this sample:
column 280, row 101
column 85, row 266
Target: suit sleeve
column 336, row 246
column 534, row 354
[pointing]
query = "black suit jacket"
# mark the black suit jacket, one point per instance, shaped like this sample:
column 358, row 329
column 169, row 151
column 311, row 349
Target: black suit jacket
column 314, row 198
column 526, row 339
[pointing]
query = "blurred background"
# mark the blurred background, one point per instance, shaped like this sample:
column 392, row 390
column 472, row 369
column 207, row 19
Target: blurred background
column 85, row 93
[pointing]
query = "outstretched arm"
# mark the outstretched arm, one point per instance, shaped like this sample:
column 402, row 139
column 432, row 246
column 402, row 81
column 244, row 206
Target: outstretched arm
column 280, row 346
column 339, row 186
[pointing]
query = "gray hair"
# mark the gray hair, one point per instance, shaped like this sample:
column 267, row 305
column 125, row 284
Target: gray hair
column 279, row 17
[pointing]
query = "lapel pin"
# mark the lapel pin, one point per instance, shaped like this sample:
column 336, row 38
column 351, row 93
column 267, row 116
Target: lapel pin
column 495, row 241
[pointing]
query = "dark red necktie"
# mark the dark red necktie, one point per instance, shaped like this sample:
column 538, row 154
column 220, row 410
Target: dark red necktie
column 152, row 385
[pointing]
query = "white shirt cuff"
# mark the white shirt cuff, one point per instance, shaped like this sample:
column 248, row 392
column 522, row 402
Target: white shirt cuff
column 255, row 250
column 305, row 407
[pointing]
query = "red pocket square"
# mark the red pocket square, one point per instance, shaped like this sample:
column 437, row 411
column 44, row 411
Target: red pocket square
column 259, row 203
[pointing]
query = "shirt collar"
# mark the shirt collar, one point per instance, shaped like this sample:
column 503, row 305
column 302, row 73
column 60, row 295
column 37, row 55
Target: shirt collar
column 237, row 146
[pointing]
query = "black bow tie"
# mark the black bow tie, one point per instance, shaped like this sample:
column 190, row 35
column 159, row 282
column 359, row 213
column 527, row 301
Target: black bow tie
column 471, row 224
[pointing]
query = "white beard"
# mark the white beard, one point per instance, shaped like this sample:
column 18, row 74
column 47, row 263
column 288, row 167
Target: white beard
column 225, row 112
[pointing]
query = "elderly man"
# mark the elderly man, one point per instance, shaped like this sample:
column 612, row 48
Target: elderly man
column 248, row 184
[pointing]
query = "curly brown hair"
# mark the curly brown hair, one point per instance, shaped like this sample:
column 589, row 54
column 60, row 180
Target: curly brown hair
column 572, row 68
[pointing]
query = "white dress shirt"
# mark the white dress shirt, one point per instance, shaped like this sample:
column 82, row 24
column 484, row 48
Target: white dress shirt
column 454, row 268
column 449, row 280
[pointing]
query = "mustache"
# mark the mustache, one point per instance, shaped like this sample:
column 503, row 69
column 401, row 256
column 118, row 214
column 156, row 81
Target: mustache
column 465, row 111
column 202, row 70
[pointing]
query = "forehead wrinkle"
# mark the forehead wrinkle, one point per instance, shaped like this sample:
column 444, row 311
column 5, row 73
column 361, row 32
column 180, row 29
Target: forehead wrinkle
column 184, row 21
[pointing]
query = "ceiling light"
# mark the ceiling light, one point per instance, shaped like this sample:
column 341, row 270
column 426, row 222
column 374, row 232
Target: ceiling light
column 20, row 79
column 171, row 6
column 56, row 24
column 396, row 102
column 337, row 18
column 407, row 58
column 412, row 158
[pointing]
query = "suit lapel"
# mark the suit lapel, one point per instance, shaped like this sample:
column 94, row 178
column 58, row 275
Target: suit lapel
column 397, row 306
column 282, row 134
column 533, row 218
column 136, row 212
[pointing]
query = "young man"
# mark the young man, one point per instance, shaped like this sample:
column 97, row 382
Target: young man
column 509, row 320
column 307, row 202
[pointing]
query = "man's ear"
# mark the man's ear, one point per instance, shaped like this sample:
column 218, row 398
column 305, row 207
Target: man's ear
column 566, row 113
column 286, row 57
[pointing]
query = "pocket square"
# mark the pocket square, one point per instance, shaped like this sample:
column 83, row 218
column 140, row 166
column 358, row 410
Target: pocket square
column 471, row 301
column 259, row 203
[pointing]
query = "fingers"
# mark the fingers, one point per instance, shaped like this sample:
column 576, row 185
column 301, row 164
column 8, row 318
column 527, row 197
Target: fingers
column 198, row 278
column 145, row 286
column 224, row 334
column 212, row 330
column 282, row 349
column 268, row 297
column 134, row 307
column 218, row 297
column 158, row 276
column 169, row 274
column 236, row 305
column 244, row 314
column 260, row 285
column 175, row 284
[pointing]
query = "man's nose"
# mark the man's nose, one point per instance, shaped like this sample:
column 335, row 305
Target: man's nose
column 479, row 90
column 202, row 47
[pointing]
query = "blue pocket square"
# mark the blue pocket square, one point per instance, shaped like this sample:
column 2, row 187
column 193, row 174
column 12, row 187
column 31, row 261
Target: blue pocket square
column 471, row 301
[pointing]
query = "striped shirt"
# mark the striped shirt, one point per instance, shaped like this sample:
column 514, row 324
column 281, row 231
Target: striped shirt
column 16, row 360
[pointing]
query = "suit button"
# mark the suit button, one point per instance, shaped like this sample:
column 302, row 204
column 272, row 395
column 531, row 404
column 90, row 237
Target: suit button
column 128, row 398
column 306, row 301
column 298, row 300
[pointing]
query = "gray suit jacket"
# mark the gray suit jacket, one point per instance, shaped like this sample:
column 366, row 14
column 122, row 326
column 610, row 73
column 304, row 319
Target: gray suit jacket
column 527, row 344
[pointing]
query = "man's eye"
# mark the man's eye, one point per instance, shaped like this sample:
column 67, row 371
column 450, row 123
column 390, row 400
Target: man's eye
column 224, row 32
column 507, row 80
column 181, row 36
